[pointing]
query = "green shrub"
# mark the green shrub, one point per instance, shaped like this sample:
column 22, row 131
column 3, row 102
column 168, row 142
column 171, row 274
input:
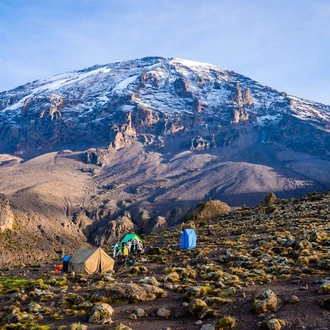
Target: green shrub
column 196, row 306
column 76, row 326
column 11, row 285
column 225, row 323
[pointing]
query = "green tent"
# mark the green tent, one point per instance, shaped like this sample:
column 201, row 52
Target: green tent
column 130, row 236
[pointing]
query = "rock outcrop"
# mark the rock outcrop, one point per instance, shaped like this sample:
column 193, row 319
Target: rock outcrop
column 26, row 238
column 209, row 210
column 6, row 214
column 111, row 231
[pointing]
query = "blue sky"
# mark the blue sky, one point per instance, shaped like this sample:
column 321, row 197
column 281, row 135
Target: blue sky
column 280, row 43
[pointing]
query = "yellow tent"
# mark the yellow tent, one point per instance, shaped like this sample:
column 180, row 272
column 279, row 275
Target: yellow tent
column 91, row 261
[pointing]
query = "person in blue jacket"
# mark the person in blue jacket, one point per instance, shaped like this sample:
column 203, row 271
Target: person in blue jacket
column 66, row 260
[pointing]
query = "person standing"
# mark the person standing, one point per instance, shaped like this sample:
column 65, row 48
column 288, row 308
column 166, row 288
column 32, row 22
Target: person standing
column 136, row 242
column 139, row 249
column 115, row 249
column 125, row 254
column 133, row 247
column 129, row 246
column 66, row 260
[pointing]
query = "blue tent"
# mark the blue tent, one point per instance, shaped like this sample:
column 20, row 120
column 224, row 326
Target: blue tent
column 188, row 239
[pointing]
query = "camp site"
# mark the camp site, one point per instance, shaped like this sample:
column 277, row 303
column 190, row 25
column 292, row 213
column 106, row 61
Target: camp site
column 242, row 274
column 97, row 260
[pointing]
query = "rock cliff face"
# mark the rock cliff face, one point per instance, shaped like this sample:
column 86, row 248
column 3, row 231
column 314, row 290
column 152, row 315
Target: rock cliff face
column 6, row 214
column 27, row 238
column 125, row 145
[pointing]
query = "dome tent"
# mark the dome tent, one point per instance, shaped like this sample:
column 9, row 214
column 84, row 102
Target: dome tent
column 91, row 261
column 130, row 236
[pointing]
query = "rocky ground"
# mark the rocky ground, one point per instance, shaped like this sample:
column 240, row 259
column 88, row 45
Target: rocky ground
column 266, row 267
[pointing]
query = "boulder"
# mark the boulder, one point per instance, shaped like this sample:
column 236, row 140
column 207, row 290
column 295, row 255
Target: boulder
column 34, row 308
column 269, row 198
column 209, row 210
column 157, row 225
column 207, row 326
column 324, row 287
column 268, row 303
column 139, row 312
column 149, row 280
column 275, row 324
column 131, row 292
column 91, row 157
column 163, row 312
column 101, row 313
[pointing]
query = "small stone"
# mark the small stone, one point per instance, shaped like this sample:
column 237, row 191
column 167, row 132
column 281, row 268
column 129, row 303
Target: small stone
column 275, row 324
column 293, row 300
column 303, row 287
column 163, row 312
column 139, row 312
column 207, row 327
column 122, row 327
column 220, row 284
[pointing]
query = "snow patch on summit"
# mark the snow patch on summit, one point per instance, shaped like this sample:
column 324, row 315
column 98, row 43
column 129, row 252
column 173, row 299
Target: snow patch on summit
column 55, row 83
column 168, row 85
column 307, row 110
column 190, row 63
column 124, row 84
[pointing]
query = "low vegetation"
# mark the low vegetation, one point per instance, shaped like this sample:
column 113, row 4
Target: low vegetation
column 251, row 269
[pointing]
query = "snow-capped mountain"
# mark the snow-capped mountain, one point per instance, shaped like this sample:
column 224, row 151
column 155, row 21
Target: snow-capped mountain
column 163, row 96
column 149, row 138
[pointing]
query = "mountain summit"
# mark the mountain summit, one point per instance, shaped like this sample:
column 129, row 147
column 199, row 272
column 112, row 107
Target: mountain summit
column 138, row 143
column 153, row 98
